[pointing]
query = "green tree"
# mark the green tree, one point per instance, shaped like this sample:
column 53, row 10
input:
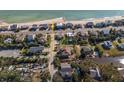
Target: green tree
column 57, row 62
column 57, row 77
column 24, row 51
column 99, row 49
column 110, row 73
column 45, row 76
column 9, row 76
column 75, row 77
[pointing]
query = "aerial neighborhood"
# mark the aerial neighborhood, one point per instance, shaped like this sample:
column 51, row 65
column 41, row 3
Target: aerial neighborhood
column 62, row 51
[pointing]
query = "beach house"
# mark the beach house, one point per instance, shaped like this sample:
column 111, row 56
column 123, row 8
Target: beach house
column 107, row 44
column 69, row 25
column 77, row 26
column 89, row 25
column 59, row 26
column 66, row 71
column 23, row 27
column 117, row 23
column 33, row 27
column 13, row 27
column 108, row 22
column 43, row 27
column 100, row 25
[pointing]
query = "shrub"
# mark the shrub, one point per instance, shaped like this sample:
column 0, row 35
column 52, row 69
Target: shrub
column 99, row 49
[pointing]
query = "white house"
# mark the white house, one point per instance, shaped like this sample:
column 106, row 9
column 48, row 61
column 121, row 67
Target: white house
column 70, row 34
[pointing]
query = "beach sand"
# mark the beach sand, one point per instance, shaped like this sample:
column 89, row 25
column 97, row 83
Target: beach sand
column 62, row 20
column 2, row 23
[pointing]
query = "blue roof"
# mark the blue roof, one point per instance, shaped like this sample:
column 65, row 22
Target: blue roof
column 108, row 43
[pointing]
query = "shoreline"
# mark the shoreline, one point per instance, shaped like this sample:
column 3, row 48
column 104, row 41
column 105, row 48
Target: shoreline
column 63, row 20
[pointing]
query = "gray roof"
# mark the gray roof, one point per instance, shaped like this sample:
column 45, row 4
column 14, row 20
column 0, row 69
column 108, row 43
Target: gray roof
column 106, row 31
column 36, row 49
column 66, row 69
column 86, row 48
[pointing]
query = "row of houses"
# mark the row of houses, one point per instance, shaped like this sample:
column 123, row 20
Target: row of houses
column 13, row 27
column 104, row 24
column 34, row 27
column 82, row 34
column 30, row 41
column 99, row 24
column 79, row 34
column 59, row 26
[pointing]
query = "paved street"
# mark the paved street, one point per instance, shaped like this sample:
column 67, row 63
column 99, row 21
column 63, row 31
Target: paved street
column 51, row 56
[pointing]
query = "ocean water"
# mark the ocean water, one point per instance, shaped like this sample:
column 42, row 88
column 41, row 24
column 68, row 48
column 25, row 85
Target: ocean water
column 12, row 16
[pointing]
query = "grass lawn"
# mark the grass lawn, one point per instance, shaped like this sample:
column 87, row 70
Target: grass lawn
column 100, row 47
column 115, row 43
column 122, row 40
column 115, row 52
